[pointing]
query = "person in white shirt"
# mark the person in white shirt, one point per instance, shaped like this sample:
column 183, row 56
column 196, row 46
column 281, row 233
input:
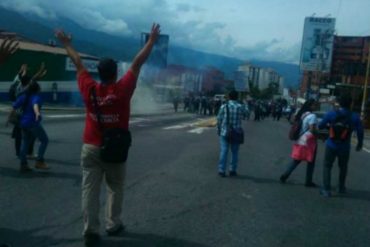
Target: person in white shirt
column 305, row 148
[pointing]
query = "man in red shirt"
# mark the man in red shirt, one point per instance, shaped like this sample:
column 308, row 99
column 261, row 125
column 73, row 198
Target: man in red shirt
column 113, row 101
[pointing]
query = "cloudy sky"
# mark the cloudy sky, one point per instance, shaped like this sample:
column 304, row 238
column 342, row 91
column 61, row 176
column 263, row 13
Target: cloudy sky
column 247, row 29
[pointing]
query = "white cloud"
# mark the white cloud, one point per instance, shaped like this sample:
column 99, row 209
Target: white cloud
column 269, row 29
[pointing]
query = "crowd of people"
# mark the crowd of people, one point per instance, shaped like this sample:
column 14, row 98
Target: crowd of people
column 340, row 123
column 202, row 105
column 107, row 121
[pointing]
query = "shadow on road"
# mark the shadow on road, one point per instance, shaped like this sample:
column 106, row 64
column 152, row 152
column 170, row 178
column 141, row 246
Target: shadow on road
column 147, row 240
column 14, row 173
column 32, row 238
column 63, row 162
column 362, row 195
column 257, row 180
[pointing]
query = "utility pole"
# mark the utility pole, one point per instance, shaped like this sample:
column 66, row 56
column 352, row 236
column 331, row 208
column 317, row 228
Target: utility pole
column 364, row 96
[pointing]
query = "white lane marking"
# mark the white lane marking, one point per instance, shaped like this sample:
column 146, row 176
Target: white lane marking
column 184, row 125
column 179, row 126
column 366, row 150
column 61, row 116
column 138, row 120
column 64, row 116
column 198, row 131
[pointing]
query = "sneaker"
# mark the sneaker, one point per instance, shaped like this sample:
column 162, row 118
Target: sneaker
column 311, row 185
column 325, row 193
column 233, row 174
column 283, row 179
column 91, row 239
column 222, row 174
column 41, row 165
column 24, row 169
column 115, row 232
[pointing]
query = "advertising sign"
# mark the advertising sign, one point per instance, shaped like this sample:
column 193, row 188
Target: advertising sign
column 158, row 56
column 317, row 44
column 90, row 65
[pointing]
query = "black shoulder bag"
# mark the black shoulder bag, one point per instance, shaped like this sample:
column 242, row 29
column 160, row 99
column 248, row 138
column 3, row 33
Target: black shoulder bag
column 115, row 141
column 233, row 135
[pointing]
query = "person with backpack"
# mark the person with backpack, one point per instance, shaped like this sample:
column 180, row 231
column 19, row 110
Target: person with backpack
column 106, row 135
column 305, row 146
column 341, row 123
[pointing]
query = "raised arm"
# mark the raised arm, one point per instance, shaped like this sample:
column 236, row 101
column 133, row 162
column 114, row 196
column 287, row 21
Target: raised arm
column 144, row 53
column 66, row 41
column 7, row 48
column 40, row 73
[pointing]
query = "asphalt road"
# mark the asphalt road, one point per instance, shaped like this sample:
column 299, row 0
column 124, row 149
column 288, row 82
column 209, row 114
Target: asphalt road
column 173, row 196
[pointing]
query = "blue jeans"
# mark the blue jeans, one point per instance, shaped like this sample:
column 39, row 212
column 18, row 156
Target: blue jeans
column 224, row 153
column 28, row 134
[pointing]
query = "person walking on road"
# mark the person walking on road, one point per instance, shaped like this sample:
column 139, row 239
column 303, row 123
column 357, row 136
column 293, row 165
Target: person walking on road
column 305, row 148
column 230, row 116
column 341, row 123
column 108, row 108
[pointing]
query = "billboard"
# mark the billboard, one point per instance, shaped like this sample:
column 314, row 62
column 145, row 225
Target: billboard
column 317, row 44
column 241, row 81
column 158, row 56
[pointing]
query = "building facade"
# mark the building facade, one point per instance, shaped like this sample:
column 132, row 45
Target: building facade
column 59, row 84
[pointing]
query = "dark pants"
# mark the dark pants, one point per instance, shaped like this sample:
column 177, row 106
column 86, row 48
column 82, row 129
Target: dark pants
column 17, row 135
column 28, row 135
column 343, row 158
column 309, row 171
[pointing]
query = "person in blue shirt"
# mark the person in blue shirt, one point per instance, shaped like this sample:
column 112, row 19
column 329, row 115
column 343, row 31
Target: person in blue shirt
column 340, row 147
column 30, row 122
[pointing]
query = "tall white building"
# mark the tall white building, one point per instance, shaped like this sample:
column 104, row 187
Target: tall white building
column 261, row 77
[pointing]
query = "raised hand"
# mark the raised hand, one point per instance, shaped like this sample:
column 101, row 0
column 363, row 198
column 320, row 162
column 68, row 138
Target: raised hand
column 7, row 48
column 65, row 39
column 23, row 70
column 40, row 73
column 155, row 32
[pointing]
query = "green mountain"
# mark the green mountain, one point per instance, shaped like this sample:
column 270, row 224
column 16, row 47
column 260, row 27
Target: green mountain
column 120, row 48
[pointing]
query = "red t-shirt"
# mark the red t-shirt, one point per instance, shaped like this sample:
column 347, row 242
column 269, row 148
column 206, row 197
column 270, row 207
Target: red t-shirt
column 114, row 104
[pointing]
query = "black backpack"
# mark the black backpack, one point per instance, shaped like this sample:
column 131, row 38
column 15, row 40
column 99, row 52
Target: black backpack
column 340, row 128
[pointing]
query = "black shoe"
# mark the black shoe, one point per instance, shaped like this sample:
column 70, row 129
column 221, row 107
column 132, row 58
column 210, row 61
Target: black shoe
column 311, row 185
column 222, row 174
column 233, row 174
column 283, row 179
column 118, row 231
column 25, row 169
column 325, row 193
column 91, row 239
column 342, row 190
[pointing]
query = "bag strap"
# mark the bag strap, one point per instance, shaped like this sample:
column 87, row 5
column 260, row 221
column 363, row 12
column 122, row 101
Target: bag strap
column 227, row 116
column 302, row 119
column 96, row 108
